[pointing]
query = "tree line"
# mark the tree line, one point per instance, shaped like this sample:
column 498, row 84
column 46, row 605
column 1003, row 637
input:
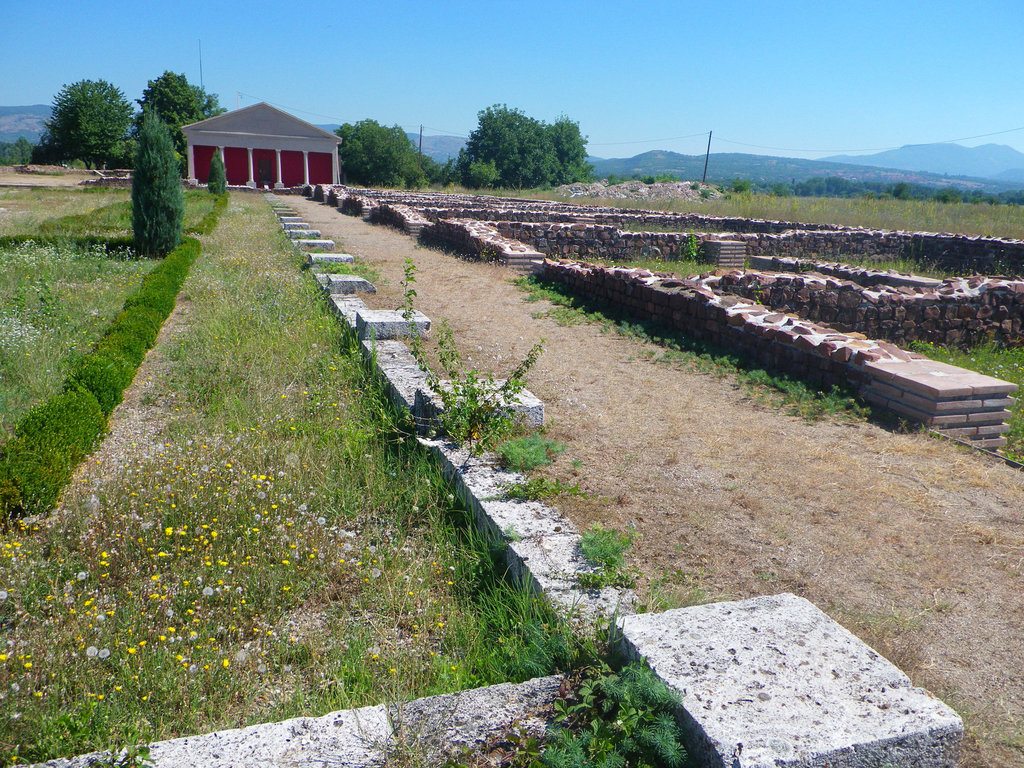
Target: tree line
column 507, row 149
column 92, row 121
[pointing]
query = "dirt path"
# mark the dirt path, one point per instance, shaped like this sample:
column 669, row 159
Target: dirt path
column 914, row 544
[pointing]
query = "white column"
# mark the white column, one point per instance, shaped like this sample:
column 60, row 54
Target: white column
column 280, row 179
column 305, row 167
column 251, row 182
column 335, row 171
column 221, row 151
column 191, row 163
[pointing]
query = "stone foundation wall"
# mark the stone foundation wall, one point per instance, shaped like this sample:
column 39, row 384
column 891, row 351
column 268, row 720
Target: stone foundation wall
column 950, row 400
column 481, row 240
column 762, row 237
column 959, row 311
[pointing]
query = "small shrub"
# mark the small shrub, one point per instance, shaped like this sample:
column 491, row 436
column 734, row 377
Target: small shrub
column 217, row 181
column 617, row 719
column 105, row 377
column 526, row 453
column 606, row 549
column 47, row 446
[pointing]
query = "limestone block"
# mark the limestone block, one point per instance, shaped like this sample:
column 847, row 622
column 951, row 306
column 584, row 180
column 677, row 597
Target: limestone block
column 344, row 284
column 328, row 258
column 312, row 244
column 302, row 234
column 388, row 324
column 526, row 406
column 290, row 219
column 774, row 682
column 295, row 226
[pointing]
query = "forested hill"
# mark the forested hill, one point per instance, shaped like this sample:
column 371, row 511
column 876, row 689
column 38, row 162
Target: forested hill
column 765, row 169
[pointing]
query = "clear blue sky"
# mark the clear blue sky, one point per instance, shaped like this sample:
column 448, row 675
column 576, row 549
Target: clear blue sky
column 801, row 79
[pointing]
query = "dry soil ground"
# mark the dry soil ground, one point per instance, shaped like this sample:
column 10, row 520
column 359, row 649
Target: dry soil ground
column 914, row 544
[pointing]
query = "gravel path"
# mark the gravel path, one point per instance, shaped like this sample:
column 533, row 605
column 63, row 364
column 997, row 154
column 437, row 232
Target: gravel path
column 914, row 544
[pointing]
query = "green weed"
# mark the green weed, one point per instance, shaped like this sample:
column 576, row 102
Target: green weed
column 525, row 453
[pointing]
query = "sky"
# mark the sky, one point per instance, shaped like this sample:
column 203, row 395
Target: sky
column 796, row 79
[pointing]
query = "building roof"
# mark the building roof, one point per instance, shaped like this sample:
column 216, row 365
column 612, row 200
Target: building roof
column 260, row 120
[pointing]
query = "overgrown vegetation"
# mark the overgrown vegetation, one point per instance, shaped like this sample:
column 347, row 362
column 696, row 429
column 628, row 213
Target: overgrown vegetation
column 476, row 407
column 529, row 452
column 614, row 719
column 606, row 549
column 55, row 301
column 193, row 589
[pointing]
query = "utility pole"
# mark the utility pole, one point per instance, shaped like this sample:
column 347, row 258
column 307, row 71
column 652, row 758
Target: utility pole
column 706, row 157
column 201, row 85
column 421, row 147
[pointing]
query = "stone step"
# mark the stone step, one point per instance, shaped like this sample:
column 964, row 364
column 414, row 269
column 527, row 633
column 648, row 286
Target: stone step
column 340, row 285
column 327, row 245
column 297, row 234
column 328, row 258
column 384, row 324
column 772, row 681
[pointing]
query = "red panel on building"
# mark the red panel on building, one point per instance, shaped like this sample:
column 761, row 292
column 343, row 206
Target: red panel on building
column 236, row 166
column 291, row 168
column 264, row 167
column 321, row 171
column 201, row 157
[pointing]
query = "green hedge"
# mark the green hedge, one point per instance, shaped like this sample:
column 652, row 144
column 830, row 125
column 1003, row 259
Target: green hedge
column 54, row 437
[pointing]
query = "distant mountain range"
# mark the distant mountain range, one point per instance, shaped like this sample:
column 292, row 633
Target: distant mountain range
column 990, row 161
column 16, row 122
column 770, row 170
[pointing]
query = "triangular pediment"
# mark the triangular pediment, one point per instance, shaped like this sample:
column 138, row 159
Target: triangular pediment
column 259, row 119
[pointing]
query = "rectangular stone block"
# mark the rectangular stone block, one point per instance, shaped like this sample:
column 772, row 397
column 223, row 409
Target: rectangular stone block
column 295, row 226
column 300, row 234
column 343, row 284
column 388, row 324
column 311, row 245
column 526, row 406
column 329, row 258
column 772, row 682
column 290, row 219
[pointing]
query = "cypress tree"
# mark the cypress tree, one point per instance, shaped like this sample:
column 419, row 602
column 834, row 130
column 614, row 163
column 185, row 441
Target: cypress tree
column 217, row 181
column 158, row 204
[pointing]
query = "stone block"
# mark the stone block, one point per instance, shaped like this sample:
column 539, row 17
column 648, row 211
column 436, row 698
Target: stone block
column 774, row 682
column 344, row 284
column 526, row 406
column 388, row 324
column 297, row 226
column 329, row 258
column 310, row 245
column 290, row 219
column 303, row 234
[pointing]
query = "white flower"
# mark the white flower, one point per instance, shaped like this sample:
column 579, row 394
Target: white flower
column 81, row 575
column 104, row 653
column 3, row 595
column 207, row 591
column 92, row 651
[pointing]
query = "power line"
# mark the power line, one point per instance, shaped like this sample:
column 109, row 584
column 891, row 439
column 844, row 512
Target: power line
column 642, row 141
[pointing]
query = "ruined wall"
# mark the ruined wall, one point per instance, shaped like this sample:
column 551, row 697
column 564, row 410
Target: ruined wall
column 960, row 311
column 950, row 400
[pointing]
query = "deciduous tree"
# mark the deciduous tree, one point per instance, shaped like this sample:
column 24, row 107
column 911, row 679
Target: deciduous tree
column 177, row 102
column 523, row 151
column 89, row 122
column 375, row 155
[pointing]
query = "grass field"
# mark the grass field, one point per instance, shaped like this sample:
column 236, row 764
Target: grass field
column 55, row 301
column 281, row 548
